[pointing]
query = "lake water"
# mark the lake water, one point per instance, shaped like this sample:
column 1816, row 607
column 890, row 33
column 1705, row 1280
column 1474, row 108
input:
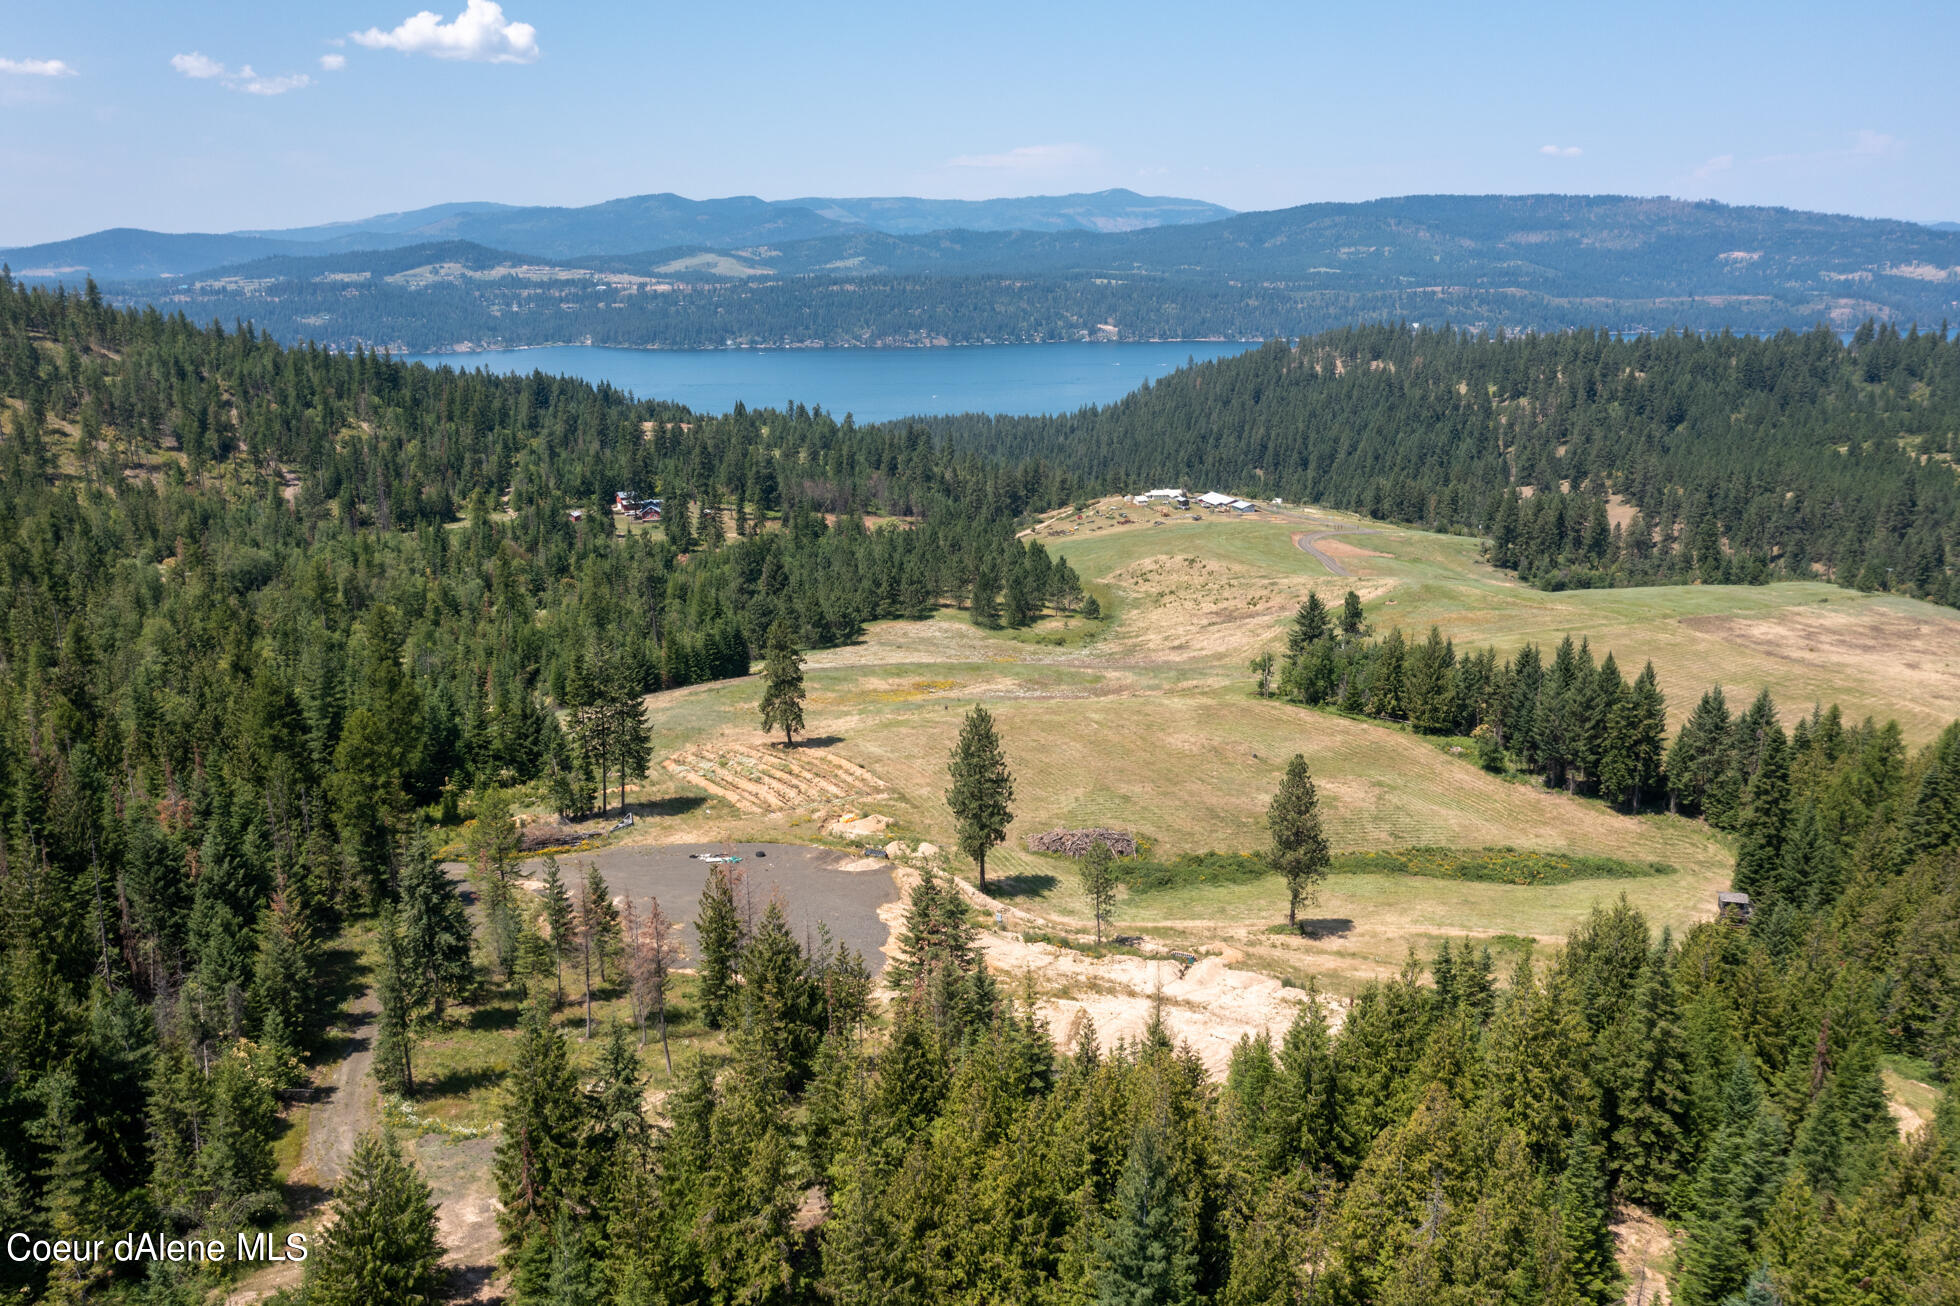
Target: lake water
column 875, row 385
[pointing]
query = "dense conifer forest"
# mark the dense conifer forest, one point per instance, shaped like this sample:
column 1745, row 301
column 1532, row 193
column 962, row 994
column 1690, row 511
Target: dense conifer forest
column 1587, row 460
column 269, row 612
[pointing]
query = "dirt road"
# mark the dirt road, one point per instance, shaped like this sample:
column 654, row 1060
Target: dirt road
column 1307, row 539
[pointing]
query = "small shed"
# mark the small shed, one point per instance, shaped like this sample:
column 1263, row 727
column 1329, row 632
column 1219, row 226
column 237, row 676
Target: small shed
column 1734, row 907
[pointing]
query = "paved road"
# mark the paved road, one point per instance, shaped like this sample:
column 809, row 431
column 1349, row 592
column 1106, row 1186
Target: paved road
column 1308, row 538
column 810, row 881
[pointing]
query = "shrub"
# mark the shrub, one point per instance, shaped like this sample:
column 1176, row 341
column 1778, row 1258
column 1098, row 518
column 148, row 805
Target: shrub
column 1493, row 865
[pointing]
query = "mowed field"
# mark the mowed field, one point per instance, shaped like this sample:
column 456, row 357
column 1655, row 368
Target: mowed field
column 1152, row 727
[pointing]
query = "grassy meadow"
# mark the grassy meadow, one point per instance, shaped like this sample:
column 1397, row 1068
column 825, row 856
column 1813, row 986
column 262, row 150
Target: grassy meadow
column 1146, row 721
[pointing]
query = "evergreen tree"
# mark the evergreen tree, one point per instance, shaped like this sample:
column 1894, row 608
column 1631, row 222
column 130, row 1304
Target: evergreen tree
column 537, row 1158
column 1584, row 1231
column 1647, row 1085
column 559, row 922
column 1758, row 865
column 982, row 789
column 608, row 939
column 1091, row 609
column 718, row 930
column 283, row 990
column 434, row 930
column 1147, row 1245
column 1310, row 624
column 379, row 1247
column 782, row 677
column 396, row 990
column 1299, row 844
column 1354, row 623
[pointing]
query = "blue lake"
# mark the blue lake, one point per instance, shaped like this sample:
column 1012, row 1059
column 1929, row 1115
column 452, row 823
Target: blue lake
column 874, row 385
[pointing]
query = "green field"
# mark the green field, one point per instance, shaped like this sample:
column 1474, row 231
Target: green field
column 1150, row 725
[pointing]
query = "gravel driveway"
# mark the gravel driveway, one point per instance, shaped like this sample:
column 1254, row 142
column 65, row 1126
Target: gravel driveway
column 811, row 882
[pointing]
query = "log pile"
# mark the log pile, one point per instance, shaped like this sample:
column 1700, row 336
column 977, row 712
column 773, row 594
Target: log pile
column 1075, row 843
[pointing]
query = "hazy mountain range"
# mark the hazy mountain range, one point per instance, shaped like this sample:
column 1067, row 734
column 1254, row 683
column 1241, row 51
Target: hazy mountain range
column 623, row 226
column 662, row 271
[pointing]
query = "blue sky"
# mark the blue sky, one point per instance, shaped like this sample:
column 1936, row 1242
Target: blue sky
column 218, row 116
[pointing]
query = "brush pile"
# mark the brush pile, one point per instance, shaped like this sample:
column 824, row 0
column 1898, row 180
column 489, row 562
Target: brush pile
column 1075, row 843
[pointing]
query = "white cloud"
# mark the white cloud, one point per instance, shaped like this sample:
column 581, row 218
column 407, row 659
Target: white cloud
column 1720, row 163
column 1870, row 144
column 1560, row 151
column 1028, row 158
column 36, row 68
column 197, row 65
column 480, row 33
column 253, row 84
column 203, row 68
column 333, row 63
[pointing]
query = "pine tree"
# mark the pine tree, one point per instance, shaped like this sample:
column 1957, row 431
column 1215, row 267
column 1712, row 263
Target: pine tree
column 1299, row 844
column 1385, row 684
column 537, row 1155
column 559, row 921
column 396, row 991
column 782, row 678
column 1354, row 623
column 719, row 933
column 380, row 1245
column 608, row 940
column 1091, row 609
column 1147, row 1245
column 1310, row 623
column 935, row 943
column 1584, row 1231
column 1758, row 865
column 982, row 789
column 1647, row 1083
column 1304, row 1127
column 434, row 930
column 283, row 990
column 1098, row 871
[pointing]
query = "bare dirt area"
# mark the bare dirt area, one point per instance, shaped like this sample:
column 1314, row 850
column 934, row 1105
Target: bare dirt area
column 1645, row 1249
column 1324, row 546
column 458, row 1171
column 1208, row 1006
column 769, row 778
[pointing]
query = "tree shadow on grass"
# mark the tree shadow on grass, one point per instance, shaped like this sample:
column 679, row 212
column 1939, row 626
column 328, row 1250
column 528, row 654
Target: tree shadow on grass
column 493, row 1016
column 1326, row 927
column 457, row 1083
column 673, row 805
column 1026, row 885
column 819, row 741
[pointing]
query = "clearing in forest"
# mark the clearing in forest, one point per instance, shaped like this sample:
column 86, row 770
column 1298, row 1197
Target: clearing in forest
column 1150, row 725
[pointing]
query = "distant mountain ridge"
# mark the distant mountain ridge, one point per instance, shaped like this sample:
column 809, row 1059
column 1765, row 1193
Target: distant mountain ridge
column 1517, row 262
column 622, row 226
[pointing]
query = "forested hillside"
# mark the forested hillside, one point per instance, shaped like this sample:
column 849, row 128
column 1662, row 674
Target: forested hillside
column 270, row 612
column 1587, row 459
